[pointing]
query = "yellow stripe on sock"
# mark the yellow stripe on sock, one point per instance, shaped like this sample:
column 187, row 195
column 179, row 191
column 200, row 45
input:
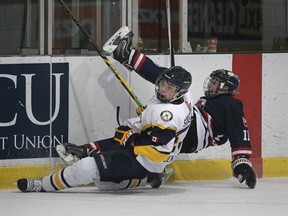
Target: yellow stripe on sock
column 134, row 183
column 57, row 180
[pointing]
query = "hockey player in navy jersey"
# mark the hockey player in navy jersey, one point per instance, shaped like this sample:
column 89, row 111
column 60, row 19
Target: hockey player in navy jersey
column 218, row 116
column 140, row 149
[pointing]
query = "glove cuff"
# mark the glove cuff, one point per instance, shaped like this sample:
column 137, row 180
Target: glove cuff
column 241, row 160
column 93, row 148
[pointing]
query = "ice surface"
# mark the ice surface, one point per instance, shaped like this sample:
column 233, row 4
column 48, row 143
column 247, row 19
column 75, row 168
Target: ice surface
column 196, row 198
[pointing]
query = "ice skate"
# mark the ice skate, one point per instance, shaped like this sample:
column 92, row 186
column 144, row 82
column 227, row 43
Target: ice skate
column 166, row 174
column 66, row 156
column 71, row 153
column 157, row 179
column 120, row 44
column 114, row 41
column 30, row 185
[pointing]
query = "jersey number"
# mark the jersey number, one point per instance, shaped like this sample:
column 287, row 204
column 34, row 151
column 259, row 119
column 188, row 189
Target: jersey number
column 246, row 135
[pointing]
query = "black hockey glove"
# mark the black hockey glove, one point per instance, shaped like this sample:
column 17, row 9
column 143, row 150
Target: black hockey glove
column 124, row 135
column 242, row 170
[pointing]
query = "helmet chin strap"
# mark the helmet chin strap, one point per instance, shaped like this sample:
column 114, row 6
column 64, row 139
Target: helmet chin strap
column 178, row 95
column 163, row 98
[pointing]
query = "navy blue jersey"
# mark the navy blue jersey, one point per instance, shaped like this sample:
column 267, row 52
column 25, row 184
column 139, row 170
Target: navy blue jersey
column 144, row 66
column 223, row 120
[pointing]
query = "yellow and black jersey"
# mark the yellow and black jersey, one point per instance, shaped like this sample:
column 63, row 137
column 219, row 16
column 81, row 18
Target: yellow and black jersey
column 161, row 128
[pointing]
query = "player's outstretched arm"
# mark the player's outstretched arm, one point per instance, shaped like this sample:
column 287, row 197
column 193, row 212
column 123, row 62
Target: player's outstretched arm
column 120, row 46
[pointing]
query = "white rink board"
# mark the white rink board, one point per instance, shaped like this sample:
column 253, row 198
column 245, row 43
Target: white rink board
column 275, row 105
column 95, row 92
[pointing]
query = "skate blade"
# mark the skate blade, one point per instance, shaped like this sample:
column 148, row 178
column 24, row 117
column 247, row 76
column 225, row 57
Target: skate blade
column 166, row 175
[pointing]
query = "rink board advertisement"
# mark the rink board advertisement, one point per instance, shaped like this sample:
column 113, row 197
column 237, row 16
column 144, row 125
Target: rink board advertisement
column 31, row 121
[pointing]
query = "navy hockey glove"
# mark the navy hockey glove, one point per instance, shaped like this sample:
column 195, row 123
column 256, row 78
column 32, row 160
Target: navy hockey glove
column 124, row 135
column 242, row 170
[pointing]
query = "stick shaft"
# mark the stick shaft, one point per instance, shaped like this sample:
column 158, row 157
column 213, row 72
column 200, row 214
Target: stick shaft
column 170, row 35
column 103, row 56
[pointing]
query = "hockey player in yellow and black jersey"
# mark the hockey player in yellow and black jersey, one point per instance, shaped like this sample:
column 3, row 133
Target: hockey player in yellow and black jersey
column 142, row 147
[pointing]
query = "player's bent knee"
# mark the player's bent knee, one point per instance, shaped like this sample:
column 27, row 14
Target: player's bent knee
column 88, row 166
column 83, row 171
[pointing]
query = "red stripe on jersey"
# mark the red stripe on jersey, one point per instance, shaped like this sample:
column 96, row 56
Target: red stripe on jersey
column 135, row 58
column 241, row 151
column 138, row 61
column 210, row 122
column 141, row 63
column 94, row 145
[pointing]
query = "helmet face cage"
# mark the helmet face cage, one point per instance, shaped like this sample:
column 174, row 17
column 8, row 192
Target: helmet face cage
column 221, row 82
column 178, row 93
column 175, row 76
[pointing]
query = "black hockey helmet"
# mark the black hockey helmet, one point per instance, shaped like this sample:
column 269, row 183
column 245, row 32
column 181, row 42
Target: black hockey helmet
column 176, row 76
column 221, row 82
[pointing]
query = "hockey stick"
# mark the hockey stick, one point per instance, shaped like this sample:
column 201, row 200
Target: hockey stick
column 170, row 36
column 103, row 56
